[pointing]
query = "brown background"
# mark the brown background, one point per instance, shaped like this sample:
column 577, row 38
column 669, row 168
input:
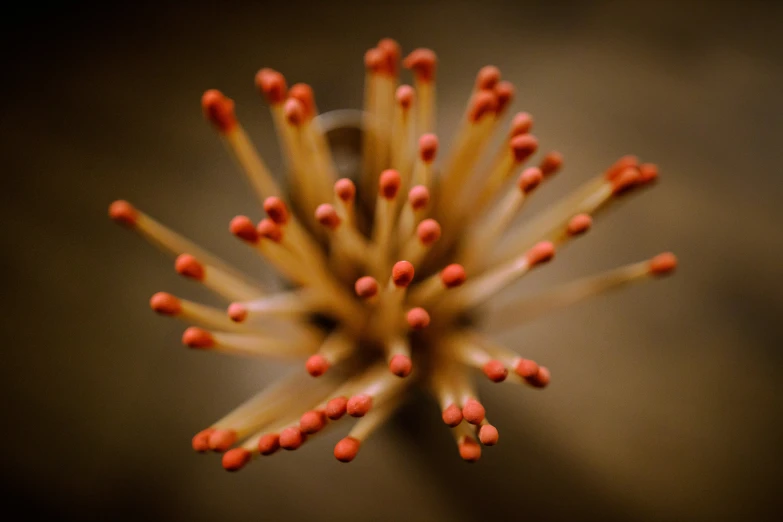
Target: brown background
column 666, row 399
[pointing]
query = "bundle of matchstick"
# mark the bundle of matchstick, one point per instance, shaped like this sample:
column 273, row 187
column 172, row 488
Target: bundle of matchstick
column 385, row 279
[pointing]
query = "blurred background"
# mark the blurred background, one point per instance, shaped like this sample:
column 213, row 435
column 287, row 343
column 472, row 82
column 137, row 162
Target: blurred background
column 666, row 397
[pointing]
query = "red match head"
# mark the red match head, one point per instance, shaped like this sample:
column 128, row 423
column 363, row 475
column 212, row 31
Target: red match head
column 272, row 85
column 551, row 164
column 428, row 232
column 123, row 212
column 505, row 92
column 417, row 318
column 526, row 368
column 317, row 365
column 195, row 337
column 222, row 440
column 401, row 365
column 626, row 180
column 392, row 53
column 312, row 421
column 294, row 112
column 579, row 224
column 268, row 229
column 469, row 450
column 453, row 276
column 405, row 96
column 237, row 312
column 402, row 274
column 366, row 287
column 541, row 252
column 200, row 440
column 277, row 210
column 483, row 103
column 423, row 63
column 488, row 435
column 620, row 165
column 428, row 147
column 487, row 77
column 190, row 267
column 495, row 371
column 473, row 411
column 359, row 405
column 648, row 173
column 530, row 178
column 663, row 264
column 523, row 146
column 345, row 190
column 521, row 124
column 219, row 110
column 304, row 94
column 236, row 459
column 165, row 304
column 268, row 443
column 389, row 184
column 336, row 407
column 346, row 449
column 540, row 379
column 327, row 216
column 244, row 229
column 452, row 415
column 291, row 438
column 419, row 197
column 375, row 61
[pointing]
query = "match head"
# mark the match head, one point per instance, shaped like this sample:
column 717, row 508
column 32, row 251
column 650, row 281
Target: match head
column 222, row 440
column 268, row 229
column 541, row 252
column 304, row 93
column 346, row 449
column 648, row 173
column 495, row 371
column 312, row 421
column 190, row 267
column 551, row 164
column 317, row 365
column 195, row 337
column 375, row 61
column 663, row 264
column 359, row 405
column 623, row 163
column 402, row 274
column 236, row 459
column 219, row 110
column 423, row 63
column 579, row 224
column 417, row 318
column 428, row 147
column 165, row 304
column 405, row 96
column 473, row 411
column 530, row 178
column 389, row 184
column 392, row 53
column 401, row 365
column 453, row 276
column 272, row 85
column 237, row 312
column 540, row 379
column 452, row 415
column 526, row 368
column 336, row 408
column 327, row 216
column 523, row 146
column 268, row 443
column 488, row 435
column 291, row 438
column 428, row 232
column 483, row 103
column 244, row 229
column 521, row 123
column 469, row 450
column 505, row 92
column 277, row 210
column 123, row 212
column 345, row 190
column 419, row 197
column 294, row 112
column 626, row 180
column 366, row 287
column 200, row 440
column 487, row 77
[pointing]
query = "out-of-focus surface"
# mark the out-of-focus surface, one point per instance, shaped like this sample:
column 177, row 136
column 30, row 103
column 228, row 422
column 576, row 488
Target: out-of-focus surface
column 666, row 397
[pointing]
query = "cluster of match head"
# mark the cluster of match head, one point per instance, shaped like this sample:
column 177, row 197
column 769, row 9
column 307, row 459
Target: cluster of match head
column 386, row 270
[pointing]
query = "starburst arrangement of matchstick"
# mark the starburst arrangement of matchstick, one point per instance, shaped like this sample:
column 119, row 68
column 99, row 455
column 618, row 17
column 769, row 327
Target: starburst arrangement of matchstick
column 385, row 278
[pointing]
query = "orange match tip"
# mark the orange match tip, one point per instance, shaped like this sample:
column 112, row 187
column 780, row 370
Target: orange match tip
column 401, row 365
column 312, row 421
column 625, row 180
column 530, row 178
column 268, row 229
column 272, row 85
column 237, row 312
column 663, row 264
column 294, row 112
column 366, row 287
column 481, row 104
column 541, row 378
column 469, row 450
column 423, row 63
column 336, row 408
column 453, row 275
column 419, row 197
column 291, row 438
column 236, row 459
column 405, row 96
column 304, row 93
column 487, row 77
column 195, row 337
column 526, row 368
column 219, row 110
column 389, row 183
column 346, row 449
column 523, row 146
column 540, row 253
column 495, row 371
column 345, row 190
column 391, row 47
column 402, row 273
column 165, row 304
column 488, row 435
column 123, row 212
column 620, row 165
column 276, row 209
column 327, row 216
column 200, row 440
column 551, row 164
column 375, row 60
column 189, row 266
column 428, row 147
column 222, row 440
column 428, row 231
column 452, row 415
column 244, row 229
column 316, row 365
column 505, row 92
column 521, row 123
column 579, row 224
column 268, row 443
column 473, row 411
column 648, row 173
column 418, row 318
column 359, row 405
